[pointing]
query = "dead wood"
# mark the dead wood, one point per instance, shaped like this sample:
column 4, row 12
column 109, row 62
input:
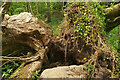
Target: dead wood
column 25, row 33
column 67, row 48
column 31, row 34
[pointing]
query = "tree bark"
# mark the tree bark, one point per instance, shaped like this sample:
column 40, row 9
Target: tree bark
column 34, row 35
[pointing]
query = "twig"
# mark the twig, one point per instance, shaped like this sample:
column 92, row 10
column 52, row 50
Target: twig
column 66, row 51
column 5, row 63
column 5, row 58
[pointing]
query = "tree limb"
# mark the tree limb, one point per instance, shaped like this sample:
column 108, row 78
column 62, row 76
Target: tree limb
column 111, row 24
column 113, row 17
column 4, row 9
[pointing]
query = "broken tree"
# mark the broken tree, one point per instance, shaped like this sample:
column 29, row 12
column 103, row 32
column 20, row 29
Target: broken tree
column 80, row 41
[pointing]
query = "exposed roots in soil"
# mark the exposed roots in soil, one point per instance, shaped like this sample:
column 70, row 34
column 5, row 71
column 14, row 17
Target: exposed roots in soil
column 88, row 45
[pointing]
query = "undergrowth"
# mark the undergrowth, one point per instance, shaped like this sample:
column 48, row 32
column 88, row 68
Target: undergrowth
column 9, row 68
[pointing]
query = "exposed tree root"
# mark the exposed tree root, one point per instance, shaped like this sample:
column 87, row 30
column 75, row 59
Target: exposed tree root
column 67, row 48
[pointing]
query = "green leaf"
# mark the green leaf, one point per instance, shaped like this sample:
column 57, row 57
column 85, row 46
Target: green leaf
column 34, row 72
column 33, row 77
column 10, row 70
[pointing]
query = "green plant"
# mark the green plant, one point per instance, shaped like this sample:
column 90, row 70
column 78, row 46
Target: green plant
column 91, row 71
column 8, row 68
column 36, row 74
column 82, row 22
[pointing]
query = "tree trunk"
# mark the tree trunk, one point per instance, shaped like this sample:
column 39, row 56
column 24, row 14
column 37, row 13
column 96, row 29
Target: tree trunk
column 4, row 9
column 37, row 7
column 27, row 6
column 30, row 8
column 49, row 12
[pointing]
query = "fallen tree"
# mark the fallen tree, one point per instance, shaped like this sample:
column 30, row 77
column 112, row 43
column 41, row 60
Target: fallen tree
column 81, row 41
